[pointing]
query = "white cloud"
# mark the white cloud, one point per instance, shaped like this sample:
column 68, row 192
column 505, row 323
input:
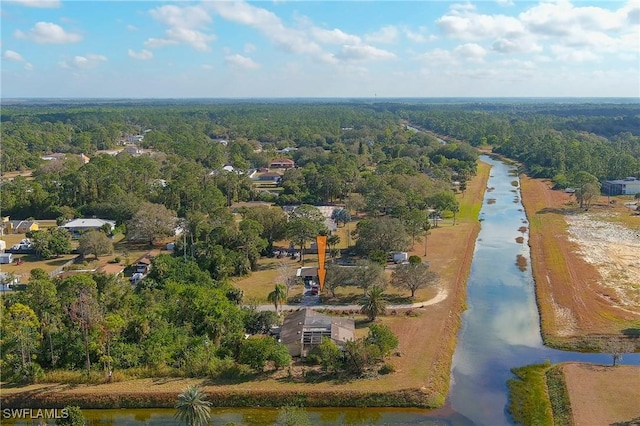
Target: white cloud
column 185, row 27
column 181, row 17
column 132, row 28
column 437, row 57
column 387, row 34
column 289, row 39
column 243, row 62
column 38, row 3
column 505, row 2
column 578, row 33
column 13, row 56
column 362, row 53
column 516, row 45
column 562, row 18
column 207, row 67
column 249, row 48
column 467, row 25
column 420, row 36
column 142, row 55
column 154, row 43
column 334, row 36
column 84, row 62
column 48, row 33
column 468, row 52
column 471, row 52
column 567, row 54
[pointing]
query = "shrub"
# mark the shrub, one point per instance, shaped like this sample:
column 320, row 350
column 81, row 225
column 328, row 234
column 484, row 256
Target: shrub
column 387, row 369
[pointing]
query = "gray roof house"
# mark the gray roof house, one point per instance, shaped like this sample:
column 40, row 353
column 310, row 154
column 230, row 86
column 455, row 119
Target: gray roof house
column 303, row 330
column 78, row 226
column 626, row 186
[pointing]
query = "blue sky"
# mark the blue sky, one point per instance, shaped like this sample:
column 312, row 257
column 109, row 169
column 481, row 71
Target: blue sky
column 229, row 49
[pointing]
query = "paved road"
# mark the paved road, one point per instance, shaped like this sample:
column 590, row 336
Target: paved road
column 313, row 302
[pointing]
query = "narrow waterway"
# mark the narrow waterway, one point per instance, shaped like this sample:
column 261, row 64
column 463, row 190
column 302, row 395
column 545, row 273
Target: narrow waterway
column 500, row 330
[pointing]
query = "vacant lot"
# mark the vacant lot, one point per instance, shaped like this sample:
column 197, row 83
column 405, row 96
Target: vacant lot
column 602, row 395
column 583, row 264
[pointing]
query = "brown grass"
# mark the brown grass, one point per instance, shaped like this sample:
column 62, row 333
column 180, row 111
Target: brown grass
column 602, row 395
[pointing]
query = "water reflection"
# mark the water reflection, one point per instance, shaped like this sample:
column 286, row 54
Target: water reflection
column 501, row 327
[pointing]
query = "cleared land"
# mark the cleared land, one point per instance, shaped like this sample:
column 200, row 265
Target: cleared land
column 602, row 395
column 426, row 343
column 585, row 265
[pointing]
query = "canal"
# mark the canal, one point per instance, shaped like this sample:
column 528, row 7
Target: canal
column 500, row 330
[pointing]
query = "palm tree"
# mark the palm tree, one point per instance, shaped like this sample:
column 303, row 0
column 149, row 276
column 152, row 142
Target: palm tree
column 426, row 226
column 193, row 407
column 278, row 296
column 374, row 303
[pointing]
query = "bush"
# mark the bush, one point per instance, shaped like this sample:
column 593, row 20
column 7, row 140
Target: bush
column 381, row 336
column 227, row 368
column 329, row 355
column 378, row 256
column 75, row 417
column 387, row 369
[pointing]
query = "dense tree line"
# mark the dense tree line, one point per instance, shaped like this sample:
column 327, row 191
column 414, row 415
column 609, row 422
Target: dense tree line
column 600, row 139
column 178, row 319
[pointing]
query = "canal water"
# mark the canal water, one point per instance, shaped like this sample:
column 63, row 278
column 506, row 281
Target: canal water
column 500, row 330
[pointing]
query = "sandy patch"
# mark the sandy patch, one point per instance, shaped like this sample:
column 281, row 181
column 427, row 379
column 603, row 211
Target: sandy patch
column 615, row 251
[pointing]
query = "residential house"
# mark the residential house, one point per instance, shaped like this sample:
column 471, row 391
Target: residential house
column 133, row 150
column 626, row 186
column 269, row 177
column 142, row 266
column 54, row 156
column 18, row 226
column 282, row 163
column 78, row 226
column 303, row 330
column 8, row 281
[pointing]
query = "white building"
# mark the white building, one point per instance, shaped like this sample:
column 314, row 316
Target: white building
column 626, row 186
column 78, row 226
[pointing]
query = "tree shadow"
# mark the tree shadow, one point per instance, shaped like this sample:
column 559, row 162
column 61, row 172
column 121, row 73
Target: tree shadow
column 633, row 332
column 632, row 422
column 553, row 210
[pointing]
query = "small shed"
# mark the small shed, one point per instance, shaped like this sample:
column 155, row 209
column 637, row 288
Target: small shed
column 6, row 258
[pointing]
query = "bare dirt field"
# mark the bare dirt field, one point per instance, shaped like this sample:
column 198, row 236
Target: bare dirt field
column 602, row 395
column 585, row 264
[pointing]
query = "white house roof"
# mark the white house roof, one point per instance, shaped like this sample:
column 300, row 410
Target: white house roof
column 88, row 223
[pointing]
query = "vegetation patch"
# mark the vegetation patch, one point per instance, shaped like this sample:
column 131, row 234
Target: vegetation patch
column 521, row 262
column 528, row 397
column 558, row 396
